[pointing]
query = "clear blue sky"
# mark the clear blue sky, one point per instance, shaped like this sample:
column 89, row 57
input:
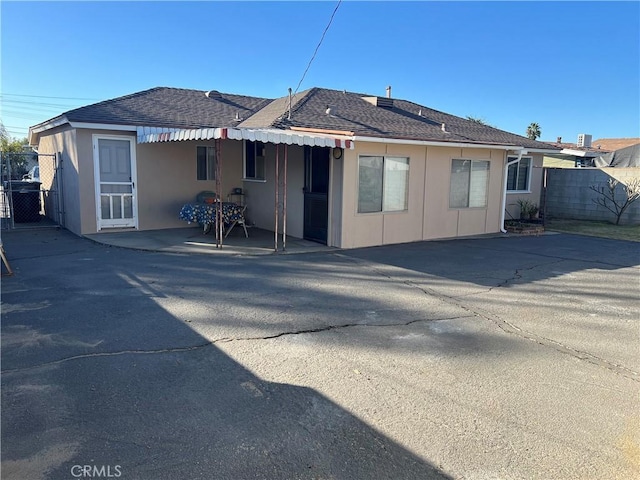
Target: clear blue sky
column 572, row 67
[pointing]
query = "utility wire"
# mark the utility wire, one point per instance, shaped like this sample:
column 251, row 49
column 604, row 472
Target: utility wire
column 21, row 103
column 45, row 96
column 318, row 47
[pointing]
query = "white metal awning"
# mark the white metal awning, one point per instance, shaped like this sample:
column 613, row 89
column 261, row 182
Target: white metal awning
column 265, row 135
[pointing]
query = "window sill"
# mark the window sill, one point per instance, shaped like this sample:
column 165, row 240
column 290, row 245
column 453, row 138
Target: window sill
column 391, row 212
column 455, row 209
column 518, row 192
column 254, row 180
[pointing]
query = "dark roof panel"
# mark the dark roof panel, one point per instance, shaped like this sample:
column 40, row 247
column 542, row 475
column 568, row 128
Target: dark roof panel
column 408, row 120
column 348, row 111
column 170, row 107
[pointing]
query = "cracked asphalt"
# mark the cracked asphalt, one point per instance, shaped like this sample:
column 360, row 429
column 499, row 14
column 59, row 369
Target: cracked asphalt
column 492, row 358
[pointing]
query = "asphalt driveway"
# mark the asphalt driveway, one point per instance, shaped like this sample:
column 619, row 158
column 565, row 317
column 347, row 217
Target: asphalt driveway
column 489, row 358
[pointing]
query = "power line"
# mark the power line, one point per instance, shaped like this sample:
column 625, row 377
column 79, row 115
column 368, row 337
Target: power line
column 46, row 96
column 318, row 47
column 21, row 103
column 23, row 115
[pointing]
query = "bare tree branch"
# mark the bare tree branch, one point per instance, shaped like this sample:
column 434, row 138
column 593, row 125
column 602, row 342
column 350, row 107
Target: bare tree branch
column 608, row 200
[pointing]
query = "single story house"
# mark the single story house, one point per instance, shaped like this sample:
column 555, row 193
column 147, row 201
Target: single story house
column 585, row 154
column 341, row 168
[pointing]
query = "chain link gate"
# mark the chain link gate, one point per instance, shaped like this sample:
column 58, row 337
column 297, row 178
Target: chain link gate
column 30, row 191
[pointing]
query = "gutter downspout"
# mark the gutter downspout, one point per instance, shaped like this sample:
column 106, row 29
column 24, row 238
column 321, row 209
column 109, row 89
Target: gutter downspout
column 507, row 164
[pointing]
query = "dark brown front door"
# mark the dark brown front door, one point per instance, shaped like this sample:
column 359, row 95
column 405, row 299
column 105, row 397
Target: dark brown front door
column 316, row 193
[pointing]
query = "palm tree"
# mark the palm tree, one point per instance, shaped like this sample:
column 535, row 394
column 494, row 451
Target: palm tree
column 533, row 131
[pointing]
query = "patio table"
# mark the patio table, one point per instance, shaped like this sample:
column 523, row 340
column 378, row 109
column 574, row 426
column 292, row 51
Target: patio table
column 205, row 213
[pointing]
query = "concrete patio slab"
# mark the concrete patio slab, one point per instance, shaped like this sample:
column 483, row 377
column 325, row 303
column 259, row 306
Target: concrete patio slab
column 192, row 240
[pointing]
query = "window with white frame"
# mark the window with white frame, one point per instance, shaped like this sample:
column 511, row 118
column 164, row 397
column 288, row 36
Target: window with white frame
column 469, row 183
column 383, row 184
column 206, row 163
column 254, row 160
column 519, row 175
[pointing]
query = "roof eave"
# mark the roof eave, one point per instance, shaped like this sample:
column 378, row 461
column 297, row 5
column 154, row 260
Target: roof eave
column 439, row 143
column 580, row 153
column 35, row 130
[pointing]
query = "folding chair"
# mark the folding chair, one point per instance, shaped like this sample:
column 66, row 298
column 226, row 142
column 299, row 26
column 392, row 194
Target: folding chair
column 239, row 221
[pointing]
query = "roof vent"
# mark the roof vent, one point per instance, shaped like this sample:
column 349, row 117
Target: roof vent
column 213, row 94
column 444, row 128
column 584, row 140
column 238, row 118
column 379, row 101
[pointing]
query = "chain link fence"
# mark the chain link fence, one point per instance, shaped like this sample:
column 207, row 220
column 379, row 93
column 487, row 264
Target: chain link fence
column 29, row 196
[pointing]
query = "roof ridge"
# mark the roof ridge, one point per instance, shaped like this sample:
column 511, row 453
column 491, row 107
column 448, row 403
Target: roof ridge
column 111, row 100
column 155, row 89
column 297, row 100
column 305, row 95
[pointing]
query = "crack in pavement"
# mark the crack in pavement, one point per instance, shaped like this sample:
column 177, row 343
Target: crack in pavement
column 517, row 275
column 337, row 327
column 506, row 326
column 222, row 340
column 105, row 354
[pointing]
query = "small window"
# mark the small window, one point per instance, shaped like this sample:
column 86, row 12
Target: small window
column 206, row 163
column 254, row 161
column 469, row 183
column 383, row 184
column 519, row 175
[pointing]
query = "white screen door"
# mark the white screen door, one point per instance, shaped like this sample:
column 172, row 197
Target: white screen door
column 115, row 183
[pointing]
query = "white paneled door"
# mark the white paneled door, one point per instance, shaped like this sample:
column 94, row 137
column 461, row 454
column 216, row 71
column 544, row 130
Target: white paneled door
column 114, row 159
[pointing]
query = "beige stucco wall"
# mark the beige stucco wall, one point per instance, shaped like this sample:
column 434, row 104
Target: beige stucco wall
column 61, row 141
column 559, row 161
column 428, row 215
column 261, row 195
column 534, row 191
column 167, row 179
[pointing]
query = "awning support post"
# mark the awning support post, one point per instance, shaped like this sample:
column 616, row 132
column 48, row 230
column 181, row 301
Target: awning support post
column 218, row 216
column 277, row 191
column 284, row 200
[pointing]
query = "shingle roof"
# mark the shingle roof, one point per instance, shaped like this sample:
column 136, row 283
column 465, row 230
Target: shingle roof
column 406, row 120
column 273, row 112
column 612, row 144
column 170, row 107
column 181, row 108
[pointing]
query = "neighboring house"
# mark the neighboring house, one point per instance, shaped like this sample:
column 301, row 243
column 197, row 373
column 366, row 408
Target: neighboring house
column 584, row 152
column 358, row 170
column 627, row 157
column 570, row 191
column 613, row 144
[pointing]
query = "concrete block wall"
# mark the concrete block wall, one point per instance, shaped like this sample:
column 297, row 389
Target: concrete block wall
column 568, row 194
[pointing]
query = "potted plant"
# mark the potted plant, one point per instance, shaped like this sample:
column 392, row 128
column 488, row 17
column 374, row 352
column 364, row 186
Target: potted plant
column 528, row 210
